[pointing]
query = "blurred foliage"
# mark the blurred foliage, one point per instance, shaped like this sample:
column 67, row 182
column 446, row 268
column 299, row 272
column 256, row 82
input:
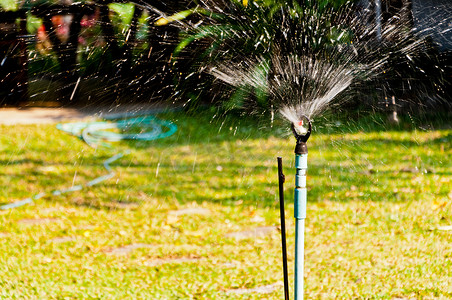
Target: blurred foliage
column 8, row 4
column 33, row 24
column 231, row 31
column 121, row 18
column 93, row 57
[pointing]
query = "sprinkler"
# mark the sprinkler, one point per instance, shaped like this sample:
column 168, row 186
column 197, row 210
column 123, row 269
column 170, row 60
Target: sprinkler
column 302, row 131
column 302, row 134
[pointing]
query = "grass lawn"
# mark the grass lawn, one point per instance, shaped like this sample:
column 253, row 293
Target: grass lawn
column 379, row 199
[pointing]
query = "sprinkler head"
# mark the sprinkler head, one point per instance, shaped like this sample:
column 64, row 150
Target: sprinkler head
column 302, row 131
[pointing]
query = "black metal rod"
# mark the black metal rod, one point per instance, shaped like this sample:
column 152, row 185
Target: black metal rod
column 281, row 179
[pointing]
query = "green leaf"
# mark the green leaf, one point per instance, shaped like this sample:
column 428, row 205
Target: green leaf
column 205, row 32
column 261, row 91
column 237, row 98
column 176, row 17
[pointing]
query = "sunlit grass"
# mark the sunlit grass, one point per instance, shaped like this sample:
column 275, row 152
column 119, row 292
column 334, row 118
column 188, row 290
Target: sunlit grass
column 377, row 196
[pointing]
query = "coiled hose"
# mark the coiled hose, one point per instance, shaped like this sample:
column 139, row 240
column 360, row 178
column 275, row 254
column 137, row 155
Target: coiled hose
column 96, row 134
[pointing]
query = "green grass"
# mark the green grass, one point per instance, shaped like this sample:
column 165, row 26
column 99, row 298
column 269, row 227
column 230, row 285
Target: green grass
column 376, row 197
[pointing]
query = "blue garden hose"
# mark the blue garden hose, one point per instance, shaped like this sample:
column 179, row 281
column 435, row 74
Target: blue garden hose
column 95, row 134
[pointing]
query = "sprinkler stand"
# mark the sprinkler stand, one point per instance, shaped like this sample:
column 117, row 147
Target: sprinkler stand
column 301, row 165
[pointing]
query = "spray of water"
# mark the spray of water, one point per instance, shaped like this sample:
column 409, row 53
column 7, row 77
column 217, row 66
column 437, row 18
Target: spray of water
column 305, row 57
column 305, row 60
column 297, row 86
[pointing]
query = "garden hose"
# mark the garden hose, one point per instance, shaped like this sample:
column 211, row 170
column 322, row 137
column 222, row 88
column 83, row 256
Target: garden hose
column 96, row 134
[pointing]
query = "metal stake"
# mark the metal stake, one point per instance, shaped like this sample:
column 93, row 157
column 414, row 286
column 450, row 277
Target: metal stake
column 282, row 179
